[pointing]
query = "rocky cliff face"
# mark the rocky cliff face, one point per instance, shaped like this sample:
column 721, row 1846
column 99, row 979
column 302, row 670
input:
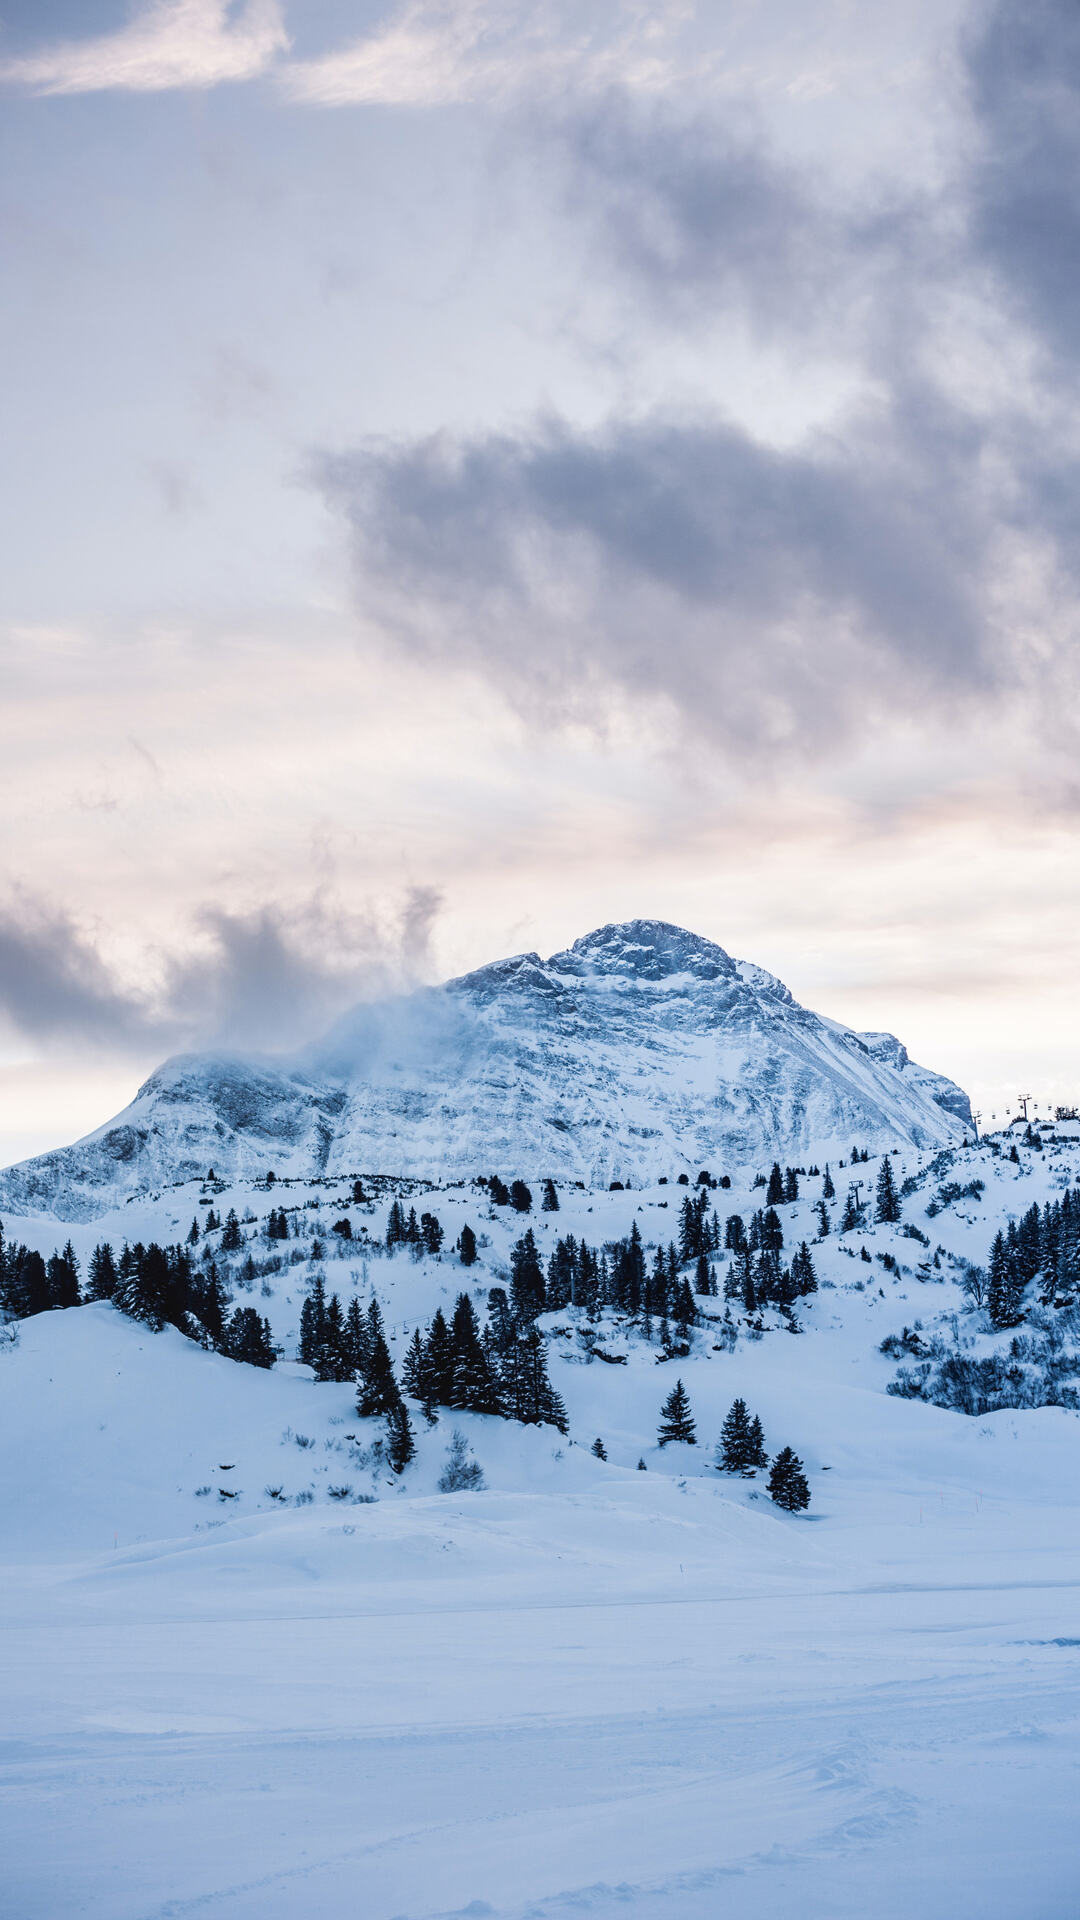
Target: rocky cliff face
column 642, row 1049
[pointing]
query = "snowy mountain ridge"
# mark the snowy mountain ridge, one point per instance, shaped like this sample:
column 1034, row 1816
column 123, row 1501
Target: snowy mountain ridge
column 640, row 1049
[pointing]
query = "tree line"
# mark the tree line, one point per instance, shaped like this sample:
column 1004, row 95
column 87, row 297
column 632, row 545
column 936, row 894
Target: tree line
column 159, row 1286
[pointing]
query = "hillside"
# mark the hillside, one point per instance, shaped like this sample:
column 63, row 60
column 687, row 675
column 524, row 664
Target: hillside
column 640, row 1050
column 250, row 1671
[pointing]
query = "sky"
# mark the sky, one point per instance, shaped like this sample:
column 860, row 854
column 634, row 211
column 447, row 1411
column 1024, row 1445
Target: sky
column 476, row 471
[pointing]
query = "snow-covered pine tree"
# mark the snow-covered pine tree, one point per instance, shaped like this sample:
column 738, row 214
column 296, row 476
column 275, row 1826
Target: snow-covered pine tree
column 888, row 1200
column 400, row 1445
column 787, row 1482
column 526, row 1278
column 676, row 1419
column 599, row 1449
column 101, row 1276
column 378, row 1390
column 438, row 1376
column 473, row 1387
column 1005, row 1287
column 733, row 1448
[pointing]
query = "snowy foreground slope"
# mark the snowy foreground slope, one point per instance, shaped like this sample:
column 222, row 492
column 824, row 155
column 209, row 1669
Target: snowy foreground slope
column 586, row 1689
column 642, row 1049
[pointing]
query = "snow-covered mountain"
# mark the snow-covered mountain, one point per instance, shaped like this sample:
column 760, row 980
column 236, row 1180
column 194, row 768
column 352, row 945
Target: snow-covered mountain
column 641, row 1049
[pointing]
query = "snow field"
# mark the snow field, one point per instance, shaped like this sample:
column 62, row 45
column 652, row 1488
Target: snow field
column 586, row 1690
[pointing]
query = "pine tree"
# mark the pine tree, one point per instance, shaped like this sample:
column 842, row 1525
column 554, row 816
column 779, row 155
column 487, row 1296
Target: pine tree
column 823, row 1220
column 356, row 1338
column 1005, row 1287
column 733, row 1451
column 791, row 1186
column 530, row 1396
column 395, row 1226
column 473, row 1387
column 756, row 1454
column 193, row 1234
column 101, row 1281
column 438, row 1376
column 787, row 1482
column 400, row 1445
column 803, row 1276
column 701, row 1274
column 676, row 1420
column 550, row 1202
column 526, row 1278
column 599, row 1449
column 431, row 1233
column 775, row 1191
column 888, row 1202
column 412, row 1367
column 378, row 1390
column 63, row 1278
column 211, row 1304
column 248, row 1338
column 828, row 1191
column 232, row 1239
column 852, row 1215
column 520, row 1197
column 467, row 1246
column 313, row 1325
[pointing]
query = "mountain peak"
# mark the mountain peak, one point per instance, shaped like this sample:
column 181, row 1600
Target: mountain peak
column 644, row 950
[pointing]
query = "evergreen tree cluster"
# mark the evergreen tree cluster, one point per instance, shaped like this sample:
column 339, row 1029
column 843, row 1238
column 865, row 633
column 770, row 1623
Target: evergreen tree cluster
column 160, row 1286
column 616, row 1277
column 757, row 1275
column 741, row 1449
column 405, row 1230
column 782, row 1187
column 1043, row 1245
column 500, row 1368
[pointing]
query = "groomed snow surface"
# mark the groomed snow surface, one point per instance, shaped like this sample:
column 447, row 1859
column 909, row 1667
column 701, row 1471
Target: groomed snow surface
column 586, row 1690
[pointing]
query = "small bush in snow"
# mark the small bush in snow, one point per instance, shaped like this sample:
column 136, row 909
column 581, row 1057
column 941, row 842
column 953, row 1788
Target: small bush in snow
column 460, row 1474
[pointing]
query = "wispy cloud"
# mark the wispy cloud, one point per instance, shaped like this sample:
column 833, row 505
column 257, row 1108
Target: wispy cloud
column 437, row 52
column 172, row 43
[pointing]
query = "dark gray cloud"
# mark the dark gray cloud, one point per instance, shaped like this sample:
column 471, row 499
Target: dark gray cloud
column 54, row 984
column 687, row 559
column 269, row 979
column 1023, row 67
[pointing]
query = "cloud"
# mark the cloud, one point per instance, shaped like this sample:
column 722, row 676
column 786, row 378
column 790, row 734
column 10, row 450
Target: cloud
column 1023, row 70
column 762, row 593
column 440, row 52
column 269, row 978
column 173, row 43
column 700, row 217
column 917, row 559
